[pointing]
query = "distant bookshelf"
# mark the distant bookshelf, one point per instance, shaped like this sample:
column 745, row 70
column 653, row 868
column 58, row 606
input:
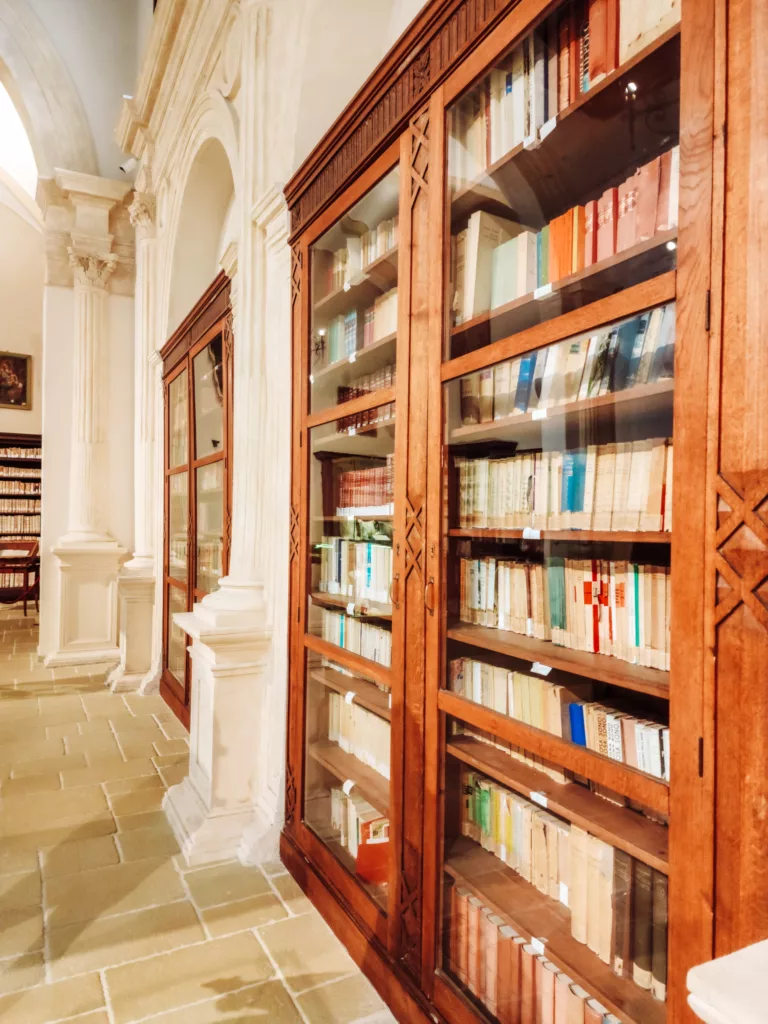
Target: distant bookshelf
column 20, row 510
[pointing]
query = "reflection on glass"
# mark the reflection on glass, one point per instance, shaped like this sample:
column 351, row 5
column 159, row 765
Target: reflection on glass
column 210, row 525
column 208, row 375
column 346, row 796
column 354, row 299
column 178, row 489
column 177, row 638
column 351, row 513
column 178, row 419
column 563, row 176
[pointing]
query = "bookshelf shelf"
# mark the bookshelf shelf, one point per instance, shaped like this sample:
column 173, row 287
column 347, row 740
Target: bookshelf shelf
column 376, row 278
column 346, row 767
column 367, row 359
column 599, row 667
column 594, row 536
column 367, row 694
column 632, row 266
column 537, row 183
column 628, row 830
column 534, row 915
column 348, row 659
column 363, row 609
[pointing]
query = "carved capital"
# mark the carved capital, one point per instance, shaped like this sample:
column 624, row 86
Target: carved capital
column 92, row 271
column 142, row 214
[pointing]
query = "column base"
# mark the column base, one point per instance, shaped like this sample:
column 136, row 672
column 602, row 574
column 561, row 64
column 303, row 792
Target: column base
column 136, row 600
column 261, row 841
column 203, row 836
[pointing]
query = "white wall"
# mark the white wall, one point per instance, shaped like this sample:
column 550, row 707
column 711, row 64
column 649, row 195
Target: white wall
column 21, row 309
column 403, row 13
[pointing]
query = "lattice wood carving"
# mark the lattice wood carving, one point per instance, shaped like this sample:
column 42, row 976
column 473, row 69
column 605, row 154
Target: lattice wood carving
column 414, row 539
column 409, row 908
column 419, row 154
column 741, row 550
column 290, row 794
column 296, row 268
column 228, row 333
column 385, row 111
column 294, row 534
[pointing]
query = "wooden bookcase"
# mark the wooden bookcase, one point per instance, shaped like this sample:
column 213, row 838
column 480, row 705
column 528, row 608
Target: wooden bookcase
column 21, row 483
column 197, row 388
column 410, row 128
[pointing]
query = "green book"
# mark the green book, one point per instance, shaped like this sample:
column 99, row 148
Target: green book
column 504, row 273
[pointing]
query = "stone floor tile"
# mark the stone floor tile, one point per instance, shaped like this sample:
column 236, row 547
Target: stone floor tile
column 30, row 784
column 15, row 856
column 225, row 883
column 107, row 771
column 291, row 894
column 343, row 1002
column 14, row 753
column 268, row 1002
column 172, row 727
column 148, row 842
column 21, row 931
column 147, row 705
column 47, row 765
column 99, row 1017
column 134, row 748
column 173, row 774
column 61, row 730
column 22, row 972
column 273, row 867
column 186, row 976
column 100, row 743
column 112, row 890
column 20, row 890
column 149, row 819
column 94, row 726
column 243, row 914
column 69, row 858
column 53, row 1002
column 306, row 951
column 102, row 705
column 164, row 747
column 116, row 787
column 109, row 941
column 136, row 803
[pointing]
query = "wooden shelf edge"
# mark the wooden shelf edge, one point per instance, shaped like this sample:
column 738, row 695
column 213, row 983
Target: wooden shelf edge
column 635, row 785
column 628, row 830
column 468, row 864
column 361, row 356
column 609, row 536
column 372, row 786
column 348, row 659
column 364, row 277
column 599, row 667
column 384, row 396
column 339, row 602
column 367, row 694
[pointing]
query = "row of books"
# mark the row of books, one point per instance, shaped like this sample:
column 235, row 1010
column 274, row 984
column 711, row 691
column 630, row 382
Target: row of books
column 384, row 377
column 209, row 558
column 561, row 60
column 28, row 472
column 357, row 329
column 618, row 904
column 368, row 491
column 624, row 486
column 633, row 352
column 566, row 711
column 363, row 831
column 363, row 638
column 359, row 732
column 20, row 487
column 19, row 505
column 495, row 260
column 12, row 452
column 606, row 607
column 342, row 267
column 12, row 580
column 504, row 971
column 20, row 524
column 358, row 570
column 379, row 241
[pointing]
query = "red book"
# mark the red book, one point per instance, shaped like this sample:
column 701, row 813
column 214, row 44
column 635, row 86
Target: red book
column 490, row 944
column 594, row 1012
column 474, row 913
column 545, row 990
column 564, row 64
column 603, row 39
column 515, row 981
column 647, row 199
column 590, row 233
column 562, row 1001
column 561, row 246
column 574, row 53
column 665, row 186
column 626, row 224
column 459, row 932
column 607, row 208
column 528, row 986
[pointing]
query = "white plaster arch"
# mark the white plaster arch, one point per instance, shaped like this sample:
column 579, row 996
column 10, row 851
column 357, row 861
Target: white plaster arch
column 193, row 215
column 43, row 93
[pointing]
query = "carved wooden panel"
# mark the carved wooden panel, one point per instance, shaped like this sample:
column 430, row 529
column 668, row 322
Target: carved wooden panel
column 741, row 551
column 290, row 793
column 294, row 532
column 296, row 268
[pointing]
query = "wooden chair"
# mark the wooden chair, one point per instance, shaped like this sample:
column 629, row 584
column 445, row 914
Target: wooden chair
column 22, row 556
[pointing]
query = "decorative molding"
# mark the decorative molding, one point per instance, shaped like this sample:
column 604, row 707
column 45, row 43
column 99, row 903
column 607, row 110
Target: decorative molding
column 414, row 539
column 142, row 214
column 91, row 271
column 296, row 267
column 290, row 794
column 419, row 130
column 741, row 551
column 409, row 908
column 294, row 533
column 438, row 42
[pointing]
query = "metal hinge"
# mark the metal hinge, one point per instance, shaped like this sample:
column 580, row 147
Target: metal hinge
column 708, row 314
column 701, row 757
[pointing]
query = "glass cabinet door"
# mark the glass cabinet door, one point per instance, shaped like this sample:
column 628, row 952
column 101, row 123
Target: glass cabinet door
column 351, row 510
column 558, row 448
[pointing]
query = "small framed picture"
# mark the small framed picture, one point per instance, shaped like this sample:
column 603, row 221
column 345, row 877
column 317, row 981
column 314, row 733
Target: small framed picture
column 15, row 381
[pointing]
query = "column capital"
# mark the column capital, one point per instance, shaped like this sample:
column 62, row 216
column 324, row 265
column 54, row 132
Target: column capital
column 142, row 214
column 91, row 271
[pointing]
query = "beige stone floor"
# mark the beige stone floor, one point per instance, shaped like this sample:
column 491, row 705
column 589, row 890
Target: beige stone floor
column 101, row 922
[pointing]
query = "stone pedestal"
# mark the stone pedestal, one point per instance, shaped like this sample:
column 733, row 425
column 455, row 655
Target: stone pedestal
column 136, row 601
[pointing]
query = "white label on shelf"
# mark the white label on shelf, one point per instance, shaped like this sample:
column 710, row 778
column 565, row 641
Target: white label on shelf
column 311, row 378
column 351, row 608
column 530, row 534
column 531, row 140
column 538, row 414
column 539, row 798
column 390, row 700
column 529, row 627
column 564, row 894
column 543, row 291
column 353, row 357
column 348, row 786
column 347, row 285
column 538, row 945
column 547, row 127
column 541, row 670
column 352, row 430
column 349, row 696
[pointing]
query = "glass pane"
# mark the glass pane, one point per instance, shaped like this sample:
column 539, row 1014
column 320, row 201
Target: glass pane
column 354, row 300
column 178, row 420
column 538, row 908
column 210, row 525
column 209, row 399
column 563, row 171
column 178, row 493
column 351, row 502
column 177, row 638
column 347, row 769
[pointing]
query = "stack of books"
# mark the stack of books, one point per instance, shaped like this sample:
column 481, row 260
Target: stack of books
column 363, row 831
column 615, row 729
column 384, row 321
column 358, row 570
column 19, row 505
column 616, row 608
column 571, row 52
column 636, row 351
column 21, row 453
column 617, row 904
column 382, row 378
column 26, row 471
column 359, row 732
column 495, row 261
column 11, row 580
column 379, row 241
column 363, row 638
column 624, row 486
column 367, row 491
column 20, row 524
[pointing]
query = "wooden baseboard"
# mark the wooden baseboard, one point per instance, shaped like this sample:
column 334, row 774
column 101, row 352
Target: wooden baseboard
column 177, row 706
column 393, row 985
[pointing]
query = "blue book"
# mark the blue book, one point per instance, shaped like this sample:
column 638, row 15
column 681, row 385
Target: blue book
column 576, row 715
column 629, row 349
column 566, row 488
column 524, row 381
column 542, row 256
column 577, row 481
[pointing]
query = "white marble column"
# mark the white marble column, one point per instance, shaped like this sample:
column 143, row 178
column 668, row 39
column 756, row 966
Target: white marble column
column 136, row 582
